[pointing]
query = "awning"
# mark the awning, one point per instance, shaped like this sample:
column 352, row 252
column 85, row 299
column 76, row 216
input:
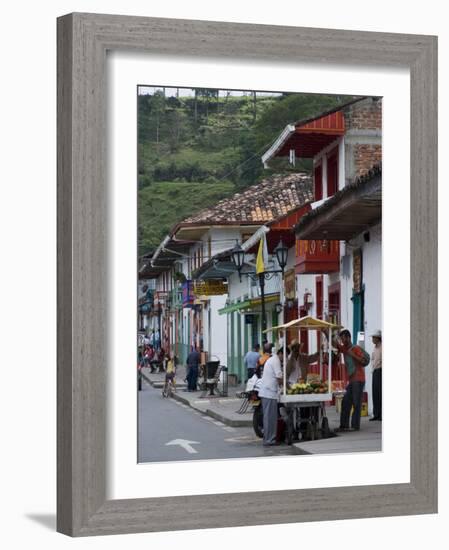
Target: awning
column 308, row 137
column 168, row 252
column 306, row 323
column 215, row 268
column 248, row 304
column 234, row 307
column 346, row 214
column 268, row 299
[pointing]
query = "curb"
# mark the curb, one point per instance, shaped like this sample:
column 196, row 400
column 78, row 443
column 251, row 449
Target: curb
column 208, row 412
column 229, row 422
column 146, row 378
column 213, row 414
column 159, row 384
column 299, row 451
column 184, row 400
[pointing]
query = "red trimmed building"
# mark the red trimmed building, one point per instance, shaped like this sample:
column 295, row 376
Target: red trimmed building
column 338, row 263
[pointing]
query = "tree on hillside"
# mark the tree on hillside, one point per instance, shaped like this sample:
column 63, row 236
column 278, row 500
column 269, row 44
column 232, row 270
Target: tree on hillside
column 254, row 106
column 157, row 110
column 175, row 125
column 207, row 94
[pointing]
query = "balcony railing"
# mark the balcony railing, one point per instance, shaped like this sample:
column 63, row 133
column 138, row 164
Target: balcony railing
column 317, row 256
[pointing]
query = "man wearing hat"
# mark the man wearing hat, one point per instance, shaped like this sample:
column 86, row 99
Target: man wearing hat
column 376, row 361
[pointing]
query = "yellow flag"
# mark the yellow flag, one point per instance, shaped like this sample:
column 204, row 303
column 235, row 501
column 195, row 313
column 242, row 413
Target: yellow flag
column 260, row 264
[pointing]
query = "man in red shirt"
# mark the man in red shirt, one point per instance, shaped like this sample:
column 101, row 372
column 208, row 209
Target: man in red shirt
column 356, row 359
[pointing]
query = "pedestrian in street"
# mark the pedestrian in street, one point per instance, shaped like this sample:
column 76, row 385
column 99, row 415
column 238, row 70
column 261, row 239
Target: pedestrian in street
column 153, row 339
column 162, row 359
column 155, row 358
column 298, row 362
column 170, row 372
column 139, row 376
column 148, row 356
column 250, row 361
column 193, row 362
column 376, row 361
column 356, row 359
column 268, row 392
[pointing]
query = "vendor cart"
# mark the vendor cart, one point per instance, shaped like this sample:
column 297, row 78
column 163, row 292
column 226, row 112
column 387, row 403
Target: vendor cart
column 314, row 403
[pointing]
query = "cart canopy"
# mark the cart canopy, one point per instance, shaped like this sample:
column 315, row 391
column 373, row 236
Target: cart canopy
column 307, row 323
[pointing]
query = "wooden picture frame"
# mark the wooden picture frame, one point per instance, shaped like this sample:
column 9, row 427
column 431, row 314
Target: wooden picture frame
column 83, row 40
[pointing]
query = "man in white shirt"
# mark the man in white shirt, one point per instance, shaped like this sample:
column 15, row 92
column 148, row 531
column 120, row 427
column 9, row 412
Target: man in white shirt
column 268, row 392
column 376, row 361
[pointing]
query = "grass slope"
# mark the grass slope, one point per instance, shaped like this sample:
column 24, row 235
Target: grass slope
column 163, row 204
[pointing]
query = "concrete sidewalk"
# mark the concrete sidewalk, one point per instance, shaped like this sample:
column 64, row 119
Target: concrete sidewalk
column 367, row 439
column 224, row 409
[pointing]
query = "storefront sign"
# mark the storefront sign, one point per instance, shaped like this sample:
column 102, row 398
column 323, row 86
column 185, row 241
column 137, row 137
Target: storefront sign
column 210, row 288
column 290, row 284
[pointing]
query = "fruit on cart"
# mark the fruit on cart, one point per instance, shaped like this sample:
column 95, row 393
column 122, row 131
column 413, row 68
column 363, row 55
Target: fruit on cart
column 303, row 388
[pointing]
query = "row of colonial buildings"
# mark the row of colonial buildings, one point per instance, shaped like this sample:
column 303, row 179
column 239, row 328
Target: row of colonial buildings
column 190, row 291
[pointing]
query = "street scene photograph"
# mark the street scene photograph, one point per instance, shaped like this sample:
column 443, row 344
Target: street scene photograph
column 259, row 276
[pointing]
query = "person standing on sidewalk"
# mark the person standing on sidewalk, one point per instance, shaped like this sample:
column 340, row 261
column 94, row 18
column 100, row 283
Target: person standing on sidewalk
column 193, row 362
column 268, row 392
column 376, row 360
column 356, row 359
column 250, row 361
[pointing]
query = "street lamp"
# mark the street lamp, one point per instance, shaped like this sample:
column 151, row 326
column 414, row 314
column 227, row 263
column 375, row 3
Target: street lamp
column 281, row 252
column 238, row 258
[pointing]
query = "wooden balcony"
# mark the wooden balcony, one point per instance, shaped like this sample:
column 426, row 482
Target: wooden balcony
column 317, row 256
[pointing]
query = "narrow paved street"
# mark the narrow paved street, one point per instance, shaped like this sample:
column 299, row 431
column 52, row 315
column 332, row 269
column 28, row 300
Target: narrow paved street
column 170, row 430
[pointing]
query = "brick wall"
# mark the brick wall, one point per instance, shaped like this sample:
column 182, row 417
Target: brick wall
column 365, row 157
column 364, row 115
column 363, row 143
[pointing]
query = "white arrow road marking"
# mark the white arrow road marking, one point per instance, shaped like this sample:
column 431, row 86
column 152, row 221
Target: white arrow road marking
column 185, row 444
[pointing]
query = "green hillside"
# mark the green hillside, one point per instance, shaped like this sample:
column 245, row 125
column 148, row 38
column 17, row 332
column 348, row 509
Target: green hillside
column 163, row 204
column 197, row 149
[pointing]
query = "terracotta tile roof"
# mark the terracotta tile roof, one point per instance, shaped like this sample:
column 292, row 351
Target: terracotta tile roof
column 263, row 202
